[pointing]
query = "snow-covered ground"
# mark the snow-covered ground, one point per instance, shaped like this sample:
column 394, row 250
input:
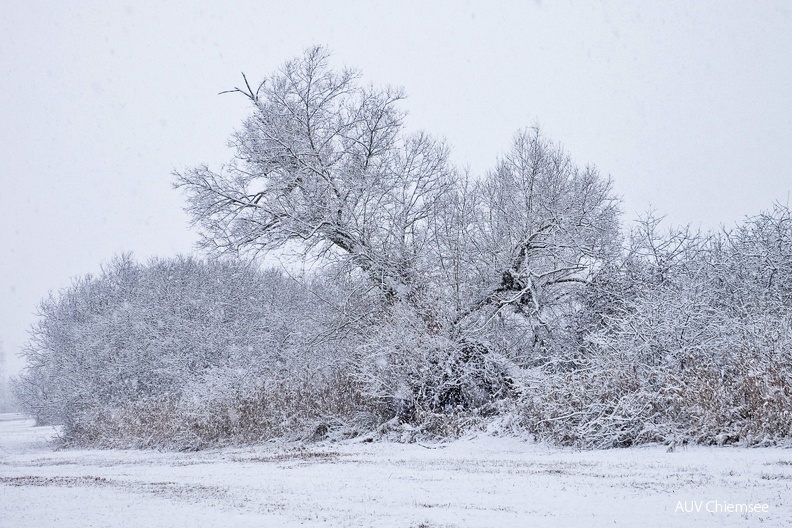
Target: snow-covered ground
column 480, row 481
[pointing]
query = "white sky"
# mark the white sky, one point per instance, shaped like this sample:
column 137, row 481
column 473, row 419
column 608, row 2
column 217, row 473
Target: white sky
column 687, row 105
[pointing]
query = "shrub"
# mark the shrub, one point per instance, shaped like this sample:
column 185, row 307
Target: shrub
column 414, row 374
column 229, row 407
column 137, row 332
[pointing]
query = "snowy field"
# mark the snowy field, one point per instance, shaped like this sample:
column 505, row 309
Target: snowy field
column 474, row 482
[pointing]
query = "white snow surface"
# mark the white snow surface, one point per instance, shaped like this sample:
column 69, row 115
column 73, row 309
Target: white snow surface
column 479, row 481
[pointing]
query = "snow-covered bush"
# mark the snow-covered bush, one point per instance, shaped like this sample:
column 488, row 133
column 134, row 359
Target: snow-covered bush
column 139, row 331
column 415, row 375
column 700, row 349
column 739, row 390
column 230, row 407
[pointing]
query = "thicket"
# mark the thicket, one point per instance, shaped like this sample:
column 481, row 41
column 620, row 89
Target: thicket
column 436, row 302
column 692, row 344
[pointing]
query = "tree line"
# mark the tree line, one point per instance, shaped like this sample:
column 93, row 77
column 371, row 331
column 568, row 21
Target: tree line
column 429, row 301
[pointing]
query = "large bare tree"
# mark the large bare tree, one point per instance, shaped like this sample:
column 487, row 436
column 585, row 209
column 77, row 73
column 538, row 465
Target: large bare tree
column 325, row 162
column 536, row 229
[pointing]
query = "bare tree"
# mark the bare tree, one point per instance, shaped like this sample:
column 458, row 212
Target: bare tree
column 544, row 228
column 324, row 162
column 324, row 165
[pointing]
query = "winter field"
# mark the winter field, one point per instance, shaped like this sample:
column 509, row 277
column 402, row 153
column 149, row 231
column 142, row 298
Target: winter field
column 474, row 482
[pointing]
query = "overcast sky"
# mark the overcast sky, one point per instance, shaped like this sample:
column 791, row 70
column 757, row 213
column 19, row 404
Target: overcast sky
column 687, row 105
